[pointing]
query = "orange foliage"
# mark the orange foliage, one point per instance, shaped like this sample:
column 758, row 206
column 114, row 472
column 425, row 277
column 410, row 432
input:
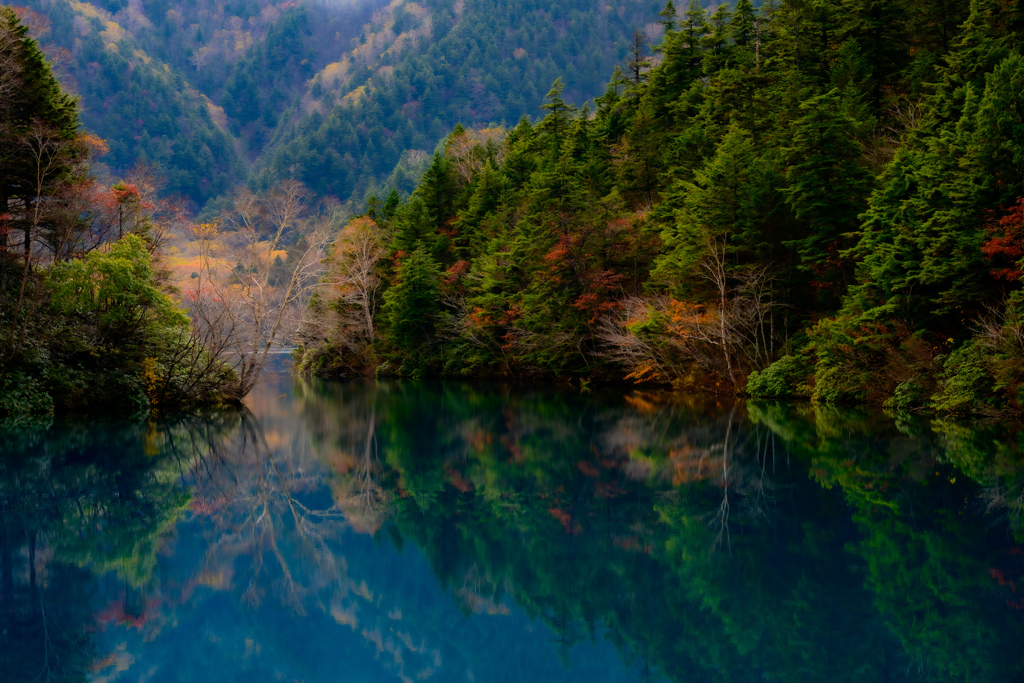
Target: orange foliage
column 458, row 481
column 479, row 441
column 96, row 145
column 685, row 317
column 688, row 465
column 607, row 489
column 565, row 519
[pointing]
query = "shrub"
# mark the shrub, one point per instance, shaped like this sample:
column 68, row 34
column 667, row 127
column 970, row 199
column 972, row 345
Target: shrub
column 785, row 378
column 23, row 395
column 966, row 382
column 907, row 396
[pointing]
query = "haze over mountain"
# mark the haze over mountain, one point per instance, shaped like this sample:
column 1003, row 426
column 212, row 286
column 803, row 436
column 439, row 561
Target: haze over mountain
column 340, row 95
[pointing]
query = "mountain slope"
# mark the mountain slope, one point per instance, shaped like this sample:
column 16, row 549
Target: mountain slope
column 420, row 68
column 335, row 94
column 146, row 110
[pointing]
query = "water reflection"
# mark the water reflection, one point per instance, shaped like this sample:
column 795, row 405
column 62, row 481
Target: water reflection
column 449, row 532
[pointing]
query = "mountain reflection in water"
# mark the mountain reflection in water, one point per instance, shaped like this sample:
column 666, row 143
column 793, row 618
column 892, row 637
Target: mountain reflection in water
column 449, row 532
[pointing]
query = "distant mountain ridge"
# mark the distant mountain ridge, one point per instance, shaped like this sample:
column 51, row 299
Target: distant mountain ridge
column 341, row 95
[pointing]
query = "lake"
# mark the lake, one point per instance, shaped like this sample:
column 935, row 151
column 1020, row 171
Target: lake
column 455, row 532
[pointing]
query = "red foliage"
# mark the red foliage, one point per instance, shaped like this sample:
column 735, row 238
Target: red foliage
column 1007, row 243
column 458, row 481
column 451, row 279
column 122, row 194
column 115, row 613
column 1000, row 576
column 565, row 519
column 5, row 228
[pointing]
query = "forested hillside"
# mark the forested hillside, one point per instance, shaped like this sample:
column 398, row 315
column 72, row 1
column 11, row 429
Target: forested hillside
column 421, row 68
column 807, row 199
column 345, row 96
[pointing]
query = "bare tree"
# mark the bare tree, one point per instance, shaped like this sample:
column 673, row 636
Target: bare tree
column 255, row 278
column 723, row 339
column 357, row 251
column 469, row 150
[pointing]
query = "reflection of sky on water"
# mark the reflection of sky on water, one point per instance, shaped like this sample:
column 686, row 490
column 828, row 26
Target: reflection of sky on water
column 356, row 609
column 397, row 624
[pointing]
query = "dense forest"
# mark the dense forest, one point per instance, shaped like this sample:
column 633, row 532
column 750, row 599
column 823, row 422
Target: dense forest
column 810, row 199
column 86, row 317
column 786, row 200
column 348, row 97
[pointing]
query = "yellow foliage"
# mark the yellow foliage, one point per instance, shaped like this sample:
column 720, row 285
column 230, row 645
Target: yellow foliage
column 354, row 96
column 333, row 74
column 218, row 114
column 415, row 9
column 151, row 446
column 112, row 34
column 204, row 231
column 151, row 376
column 97, row 145
column 87, row 10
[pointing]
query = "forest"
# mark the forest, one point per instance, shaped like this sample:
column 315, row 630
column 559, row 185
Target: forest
column 347, row 96
column 812, row 200
column 87, row 318
column 793, row 200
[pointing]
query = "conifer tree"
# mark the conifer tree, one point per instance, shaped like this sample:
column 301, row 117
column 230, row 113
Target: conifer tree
column 668, row 17
column 410, row 305
column 38, row 126
column 826, row 187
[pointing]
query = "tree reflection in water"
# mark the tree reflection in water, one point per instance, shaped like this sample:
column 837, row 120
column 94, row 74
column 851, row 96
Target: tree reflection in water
column 738, row 542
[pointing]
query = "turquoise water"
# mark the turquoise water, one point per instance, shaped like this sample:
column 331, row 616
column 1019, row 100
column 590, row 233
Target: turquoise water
column 453, row 532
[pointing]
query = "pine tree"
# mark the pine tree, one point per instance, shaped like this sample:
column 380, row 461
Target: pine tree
column 410, row 305
column 827, row 187
column 742, row 26
column 668, row 17
column 559, row 116
column 39, row 126
column 713, row 210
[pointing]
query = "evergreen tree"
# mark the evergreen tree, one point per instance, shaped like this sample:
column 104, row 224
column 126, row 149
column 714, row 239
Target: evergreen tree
column 410, row 305
column 827, row 187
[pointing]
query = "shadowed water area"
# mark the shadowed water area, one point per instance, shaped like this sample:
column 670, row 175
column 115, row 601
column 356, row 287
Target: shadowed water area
column 451, row 532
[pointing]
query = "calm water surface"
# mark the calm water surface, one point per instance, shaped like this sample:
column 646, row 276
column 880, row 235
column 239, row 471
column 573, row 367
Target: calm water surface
column 449, row 532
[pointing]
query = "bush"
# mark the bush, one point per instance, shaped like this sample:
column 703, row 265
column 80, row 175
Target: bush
column 966, row 382
column 23, row 395
column 104, row 336
column 907, row 396
column 785, row 378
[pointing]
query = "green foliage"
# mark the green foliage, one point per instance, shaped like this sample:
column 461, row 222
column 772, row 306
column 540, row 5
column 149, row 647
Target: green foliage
column 115, row 288
column 817, row 177
column 109, row 339
column 23, row 396
column 818, row 171
column 880, row 553
column 785, row 378
column 410, row 305
column 489, row 65
column 907, row 396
